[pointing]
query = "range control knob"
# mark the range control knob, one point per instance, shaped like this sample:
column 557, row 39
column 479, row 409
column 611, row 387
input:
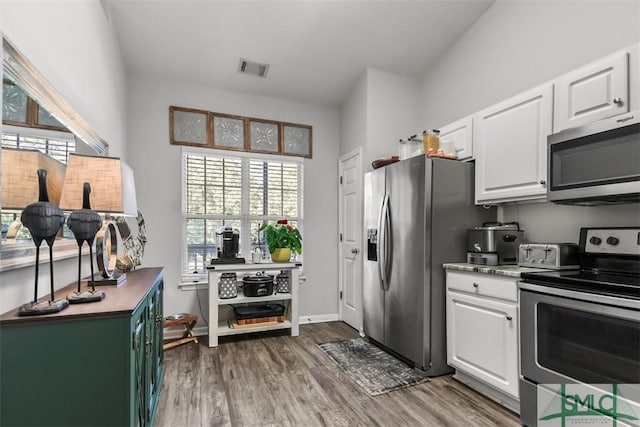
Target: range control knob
column 595, row 240
column 613, row 240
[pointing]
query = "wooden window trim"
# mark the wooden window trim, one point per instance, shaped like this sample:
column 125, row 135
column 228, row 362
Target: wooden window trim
column 297, row 125
column 31, row 119
column 212, row 132
column 209, row 125
column 210, row 140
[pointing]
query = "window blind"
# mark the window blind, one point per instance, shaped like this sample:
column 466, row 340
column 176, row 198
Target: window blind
column 237, row 192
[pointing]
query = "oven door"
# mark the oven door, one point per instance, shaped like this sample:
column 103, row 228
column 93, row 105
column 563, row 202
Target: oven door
column 569, row 337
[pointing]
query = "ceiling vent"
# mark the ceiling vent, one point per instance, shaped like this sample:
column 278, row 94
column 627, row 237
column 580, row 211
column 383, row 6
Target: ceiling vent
column 253, row 68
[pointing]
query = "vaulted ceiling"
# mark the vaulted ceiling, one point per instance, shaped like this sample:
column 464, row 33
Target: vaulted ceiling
column 316, row 49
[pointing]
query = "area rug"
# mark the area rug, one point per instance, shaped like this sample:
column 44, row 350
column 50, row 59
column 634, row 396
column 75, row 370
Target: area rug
column 373, row 369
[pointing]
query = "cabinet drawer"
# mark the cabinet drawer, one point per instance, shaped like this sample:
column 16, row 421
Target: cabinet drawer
column 483, row 284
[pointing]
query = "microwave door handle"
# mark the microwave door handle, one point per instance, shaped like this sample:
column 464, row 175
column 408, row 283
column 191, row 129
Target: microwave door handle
column 382, row 242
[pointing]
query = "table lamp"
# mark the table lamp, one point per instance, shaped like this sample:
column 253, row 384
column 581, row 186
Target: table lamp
column 32, row 181
column 112, row 192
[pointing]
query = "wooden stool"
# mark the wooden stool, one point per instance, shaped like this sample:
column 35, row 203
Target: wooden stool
column 188, row 321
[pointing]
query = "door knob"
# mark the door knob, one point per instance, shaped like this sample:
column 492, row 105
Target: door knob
column 354, row 251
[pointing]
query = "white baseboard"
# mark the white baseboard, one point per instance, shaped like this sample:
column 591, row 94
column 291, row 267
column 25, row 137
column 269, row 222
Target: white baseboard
column 319, row 318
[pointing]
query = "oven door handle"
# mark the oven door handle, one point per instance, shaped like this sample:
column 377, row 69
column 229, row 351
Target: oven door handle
column 582, row 296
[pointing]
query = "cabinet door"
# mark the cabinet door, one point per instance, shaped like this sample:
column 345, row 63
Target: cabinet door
column 461, row 133
column 482, row 340
column 139, row 379
column 593, row 92
column 154, row 343
column 510, row 147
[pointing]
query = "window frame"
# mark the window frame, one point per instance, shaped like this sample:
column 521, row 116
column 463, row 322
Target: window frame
column 245, row 217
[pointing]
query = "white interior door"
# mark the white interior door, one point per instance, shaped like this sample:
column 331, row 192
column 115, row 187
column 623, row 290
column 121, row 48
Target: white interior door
column 350, row 251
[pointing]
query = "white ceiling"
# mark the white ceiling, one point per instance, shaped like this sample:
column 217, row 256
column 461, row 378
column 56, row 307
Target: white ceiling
column 316, row 49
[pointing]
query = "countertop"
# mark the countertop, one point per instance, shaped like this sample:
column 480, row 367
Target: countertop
column 502, row 270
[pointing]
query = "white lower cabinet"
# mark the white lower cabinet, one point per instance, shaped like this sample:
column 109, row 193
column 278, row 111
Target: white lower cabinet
column 482, row 329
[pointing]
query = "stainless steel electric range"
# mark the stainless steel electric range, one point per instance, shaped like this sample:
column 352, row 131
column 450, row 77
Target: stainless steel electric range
column 582, row 326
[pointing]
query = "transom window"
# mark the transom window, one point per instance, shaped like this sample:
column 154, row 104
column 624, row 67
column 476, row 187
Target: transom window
column 240, row 191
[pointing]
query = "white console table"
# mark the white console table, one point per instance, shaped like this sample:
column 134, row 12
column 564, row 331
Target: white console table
column 219, row 328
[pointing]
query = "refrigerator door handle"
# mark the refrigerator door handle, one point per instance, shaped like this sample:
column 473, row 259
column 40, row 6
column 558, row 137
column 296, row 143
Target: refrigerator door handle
column 387, row 243
column 382, row 242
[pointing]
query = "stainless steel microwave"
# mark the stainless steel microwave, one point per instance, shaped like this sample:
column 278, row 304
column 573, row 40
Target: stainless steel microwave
column 596, row 164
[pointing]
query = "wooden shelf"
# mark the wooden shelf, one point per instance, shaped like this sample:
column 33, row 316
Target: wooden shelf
column 218, row 325
column 241, row 299
column 224, row 329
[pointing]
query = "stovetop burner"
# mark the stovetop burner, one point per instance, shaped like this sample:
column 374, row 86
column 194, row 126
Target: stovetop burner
column 609, row 261
column 602, row 283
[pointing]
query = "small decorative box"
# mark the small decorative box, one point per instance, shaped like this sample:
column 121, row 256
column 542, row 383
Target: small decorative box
column 227, row 286
column 283, row 283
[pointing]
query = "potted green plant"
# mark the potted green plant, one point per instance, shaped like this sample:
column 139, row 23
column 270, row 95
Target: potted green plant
column 282, row 239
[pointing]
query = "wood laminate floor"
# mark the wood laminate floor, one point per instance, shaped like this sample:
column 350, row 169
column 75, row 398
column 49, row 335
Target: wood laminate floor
column 273, row 379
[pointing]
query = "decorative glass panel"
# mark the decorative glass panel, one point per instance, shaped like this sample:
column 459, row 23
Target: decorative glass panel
column 297, row 140
column 14, row 103
column 264, row 136
column 190, row 127
column 228, row 132
column 45, row 118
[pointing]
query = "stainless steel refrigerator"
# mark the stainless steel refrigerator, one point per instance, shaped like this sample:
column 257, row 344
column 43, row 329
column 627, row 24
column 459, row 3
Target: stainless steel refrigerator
column 417, row 213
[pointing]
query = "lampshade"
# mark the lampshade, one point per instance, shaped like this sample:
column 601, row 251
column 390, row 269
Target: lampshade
column 20, row 177
column 112, row 185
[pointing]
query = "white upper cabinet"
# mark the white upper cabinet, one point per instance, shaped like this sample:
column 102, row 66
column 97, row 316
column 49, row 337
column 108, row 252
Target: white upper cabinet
column 593, row 92
column 510, row 147
column 461, row 133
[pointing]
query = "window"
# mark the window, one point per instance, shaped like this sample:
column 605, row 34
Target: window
column 57, row 147
column 241, row 191
column 21, row 110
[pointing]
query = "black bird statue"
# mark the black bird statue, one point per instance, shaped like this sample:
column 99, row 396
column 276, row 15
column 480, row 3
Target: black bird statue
column 43, row 220
column 85, row 224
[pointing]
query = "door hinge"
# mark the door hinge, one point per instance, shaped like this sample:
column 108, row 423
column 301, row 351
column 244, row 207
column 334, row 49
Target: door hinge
column 341, row 237
column 340, row 180
column 341, row 295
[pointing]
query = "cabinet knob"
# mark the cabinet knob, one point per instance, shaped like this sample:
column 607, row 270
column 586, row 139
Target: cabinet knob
column 617, row 100
column 475, row 285
column 355, row 250
column 509, row 318
column 543, row 182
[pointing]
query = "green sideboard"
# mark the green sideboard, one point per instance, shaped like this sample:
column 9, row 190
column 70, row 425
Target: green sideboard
column 97, row 364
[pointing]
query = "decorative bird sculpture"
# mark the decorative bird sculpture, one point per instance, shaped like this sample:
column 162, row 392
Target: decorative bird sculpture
column 43, row 220
column 85, row 224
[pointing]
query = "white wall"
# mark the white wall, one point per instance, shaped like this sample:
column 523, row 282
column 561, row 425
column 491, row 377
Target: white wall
column 515, row 46
column 380, row 109
column 74, row 47
column 353, row 118
column 157, row 166
column 393, row 108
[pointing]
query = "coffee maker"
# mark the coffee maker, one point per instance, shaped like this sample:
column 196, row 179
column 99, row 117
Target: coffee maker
column 228, row 245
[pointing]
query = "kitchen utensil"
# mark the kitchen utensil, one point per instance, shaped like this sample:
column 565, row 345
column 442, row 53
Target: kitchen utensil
column 556, row 256
column 494, row 243
column 257, row 286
